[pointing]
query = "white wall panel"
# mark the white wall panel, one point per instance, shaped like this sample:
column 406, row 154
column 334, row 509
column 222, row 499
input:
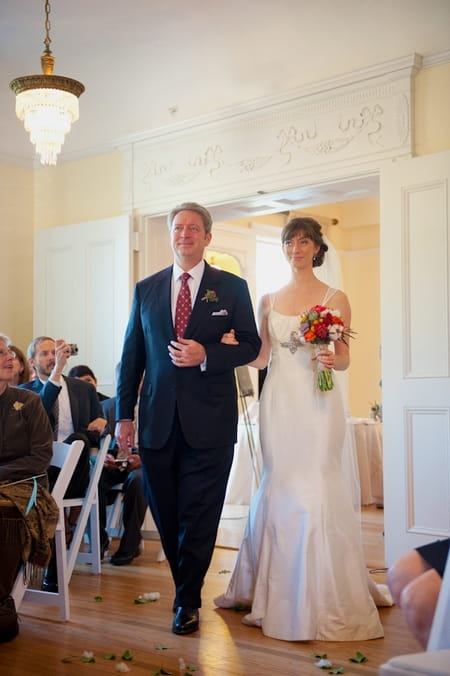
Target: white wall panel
column 428, row 471
column 426, row 281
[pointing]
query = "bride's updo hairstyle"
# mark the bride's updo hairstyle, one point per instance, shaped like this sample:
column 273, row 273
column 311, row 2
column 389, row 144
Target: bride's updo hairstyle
column 311, row 230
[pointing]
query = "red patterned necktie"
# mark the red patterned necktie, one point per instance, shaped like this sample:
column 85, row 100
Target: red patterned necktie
column 183, row 308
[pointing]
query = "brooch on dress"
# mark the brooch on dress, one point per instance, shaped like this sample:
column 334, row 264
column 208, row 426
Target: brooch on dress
column 293, row 343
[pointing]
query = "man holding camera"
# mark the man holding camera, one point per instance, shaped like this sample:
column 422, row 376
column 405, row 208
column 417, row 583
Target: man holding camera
column 74, row 411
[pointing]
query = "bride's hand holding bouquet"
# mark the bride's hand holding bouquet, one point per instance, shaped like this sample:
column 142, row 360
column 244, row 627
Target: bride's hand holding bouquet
column 320, row 326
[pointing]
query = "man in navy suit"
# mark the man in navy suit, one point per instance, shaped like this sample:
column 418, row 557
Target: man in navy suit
column 188, row 402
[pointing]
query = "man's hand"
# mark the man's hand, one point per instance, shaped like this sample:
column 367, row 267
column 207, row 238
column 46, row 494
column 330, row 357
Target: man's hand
column 186, row 352
column 229, row 338
column 134, row 461
column 110, row 461
column 62, row 353
column 97, row 425
column 124, row 433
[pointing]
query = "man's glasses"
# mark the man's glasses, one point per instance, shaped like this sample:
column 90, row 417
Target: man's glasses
column 7, row 353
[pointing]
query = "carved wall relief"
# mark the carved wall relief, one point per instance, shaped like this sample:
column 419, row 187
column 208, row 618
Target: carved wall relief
column 275, row 145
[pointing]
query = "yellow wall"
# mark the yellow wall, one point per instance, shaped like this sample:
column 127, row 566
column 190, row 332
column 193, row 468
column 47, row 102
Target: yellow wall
column 75, row 192
column 16, row 253
column 361, row 277
column 432, row 110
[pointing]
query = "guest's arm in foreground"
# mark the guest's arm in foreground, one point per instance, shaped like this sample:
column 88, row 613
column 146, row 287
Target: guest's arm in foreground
column 415, row 586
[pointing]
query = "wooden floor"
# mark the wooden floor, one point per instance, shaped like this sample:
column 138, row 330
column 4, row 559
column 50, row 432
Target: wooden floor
column 222, row 647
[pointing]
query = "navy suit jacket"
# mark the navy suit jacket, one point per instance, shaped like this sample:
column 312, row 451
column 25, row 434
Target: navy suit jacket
column 206, row 400
column 84, row 403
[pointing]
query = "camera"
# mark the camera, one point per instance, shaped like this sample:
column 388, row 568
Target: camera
column 73, row 349
column 121, row 463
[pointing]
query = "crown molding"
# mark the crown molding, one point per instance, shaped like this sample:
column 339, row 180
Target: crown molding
column 437, row 59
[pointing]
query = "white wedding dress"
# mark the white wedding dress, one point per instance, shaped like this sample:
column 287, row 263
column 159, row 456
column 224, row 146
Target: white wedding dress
column 301, row 564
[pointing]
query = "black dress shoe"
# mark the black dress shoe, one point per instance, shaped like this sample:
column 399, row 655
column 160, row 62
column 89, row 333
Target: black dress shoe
column 123, row 558
column 49, row 585
column 186, row 620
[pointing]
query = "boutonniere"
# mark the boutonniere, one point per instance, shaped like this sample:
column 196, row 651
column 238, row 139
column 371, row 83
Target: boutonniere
column 18, row 405
column 210, row 296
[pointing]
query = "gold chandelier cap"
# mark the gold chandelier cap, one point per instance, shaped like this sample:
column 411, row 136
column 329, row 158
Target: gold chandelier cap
column 26, row 82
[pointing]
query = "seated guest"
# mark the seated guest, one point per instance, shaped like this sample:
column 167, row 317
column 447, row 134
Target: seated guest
column 75, row 413
column 415, row 582
column 21, row 372
column 27, row 522
column 127, row 472
column 83, row 372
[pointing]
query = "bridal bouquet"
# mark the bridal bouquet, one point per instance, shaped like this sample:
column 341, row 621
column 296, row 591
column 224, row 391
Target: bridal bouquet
column 320, row 326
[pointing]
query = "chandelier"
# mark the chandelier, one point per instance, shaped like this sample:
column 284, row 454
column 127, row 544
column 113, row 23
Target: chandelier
column 47, row 104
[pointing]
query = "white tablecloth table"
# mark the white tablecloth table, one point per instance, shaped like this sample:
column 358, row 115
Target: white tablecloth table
column 246, row 469
column 369, row 450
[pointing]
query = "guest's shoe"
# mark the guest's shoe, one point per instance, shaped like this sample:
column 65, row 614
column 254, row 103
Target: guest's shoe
column 186, row 620
column 49, row 584
column 9, row 625
column 104, row 548
column 123, row 558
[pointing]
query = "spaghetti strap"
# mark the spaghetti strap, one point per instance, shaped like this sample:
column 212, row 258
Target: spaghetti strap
column 328, row 295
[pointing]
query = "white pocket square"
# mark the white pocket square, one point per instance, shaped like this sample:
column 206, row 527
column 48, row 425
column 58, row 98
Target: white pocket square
column 220, row 313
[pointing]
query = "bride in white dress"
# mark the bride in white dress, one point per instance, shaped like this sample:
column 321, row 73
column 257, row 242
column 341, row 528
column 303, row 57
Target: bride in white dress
column 300, row 567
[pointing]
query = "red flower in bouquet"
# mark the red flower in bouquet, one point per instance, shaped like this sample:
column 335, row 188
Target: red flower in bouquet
column 320, row 326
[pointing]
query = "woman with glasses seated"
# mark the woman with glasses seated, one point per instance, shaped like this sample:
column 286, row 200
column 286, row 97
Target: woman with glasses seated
column 28, row 513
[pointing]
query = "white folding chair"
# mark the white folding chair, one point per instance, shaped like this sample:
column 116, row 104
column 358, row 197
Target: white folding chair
column 89, row 512
column 114, row 523
column 65, row 456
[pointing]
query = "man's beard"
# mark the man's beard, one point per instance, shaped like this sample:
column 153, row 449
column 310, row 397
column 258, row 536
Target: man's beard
column 45, row 371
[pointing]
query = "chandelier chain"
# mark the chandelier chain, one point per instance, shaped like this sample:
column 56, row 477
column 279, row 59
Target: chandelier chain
column 47, row 40
column 47, row 104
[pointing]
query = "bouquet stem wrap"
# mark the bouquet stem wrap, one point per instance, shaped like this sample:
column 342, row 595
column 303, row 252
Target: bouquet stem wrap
column 324, row 375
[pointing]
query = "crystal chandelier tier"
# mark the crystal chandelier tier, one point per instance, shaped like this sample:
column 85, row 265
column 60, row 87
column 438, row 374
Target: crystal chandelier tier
column 47, row 104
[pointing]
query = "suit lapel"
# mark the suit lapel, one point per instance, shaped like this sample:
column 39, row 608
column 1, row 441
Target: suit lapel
column 73, row 400
column 202, row 308
column 162, row 298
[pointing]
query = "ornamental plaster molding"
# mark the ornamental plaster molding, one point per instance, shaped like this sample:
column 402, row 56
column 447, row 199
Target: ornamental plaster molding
column 345, row 126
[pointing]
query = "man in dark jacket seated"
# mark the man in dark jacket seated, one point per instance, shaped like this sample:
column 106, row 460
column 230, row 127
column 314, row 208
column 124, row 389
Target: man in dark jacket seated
column 74, row 411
